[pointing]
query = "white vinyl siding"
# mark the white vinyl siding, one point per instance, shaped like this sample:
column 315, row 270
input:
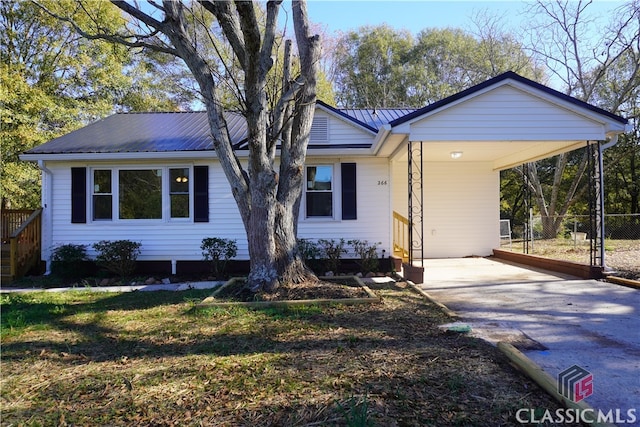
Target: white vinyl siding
column 161, row 240
column 180, row 240
column 373, row 197
column 341, row 131
column 506, row 114
column 461, row 207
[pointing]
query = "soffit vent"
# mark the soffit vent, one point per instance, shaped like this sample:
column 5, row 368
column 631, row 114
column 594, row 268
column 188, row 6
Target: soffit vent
column 320, row 129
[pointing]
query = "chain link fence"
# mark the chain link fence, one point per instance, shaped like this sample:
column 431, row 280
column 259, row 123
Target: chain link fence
column 569, row 238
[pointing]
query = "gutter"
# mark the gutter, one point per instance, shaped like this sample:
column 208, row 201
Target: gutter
column 47, row 202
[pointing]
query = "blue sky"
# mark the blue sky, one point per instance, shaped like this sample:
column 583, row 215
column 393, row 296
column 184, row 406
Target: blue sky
column 415, row 15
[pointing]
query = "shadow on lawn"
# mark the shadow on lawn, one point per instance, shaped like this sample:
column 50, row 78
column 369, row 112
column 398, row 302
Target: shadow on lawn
column 301, row 364
column 365, row 327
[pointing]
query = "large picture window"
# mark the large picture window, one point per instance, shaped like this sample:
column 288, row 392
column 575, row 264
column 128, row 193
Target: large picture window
column 319, row 191
column 140, row 194
column 154, row 193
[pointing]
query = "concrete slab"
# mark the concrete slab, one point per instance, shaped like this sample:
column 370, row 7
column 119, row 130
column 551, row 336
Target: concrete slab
column 589, row 323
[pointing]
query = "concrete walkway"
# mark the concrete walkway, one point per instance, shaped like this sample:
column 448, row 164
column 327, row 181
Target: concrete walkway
column 124, row 288
column 556, row 320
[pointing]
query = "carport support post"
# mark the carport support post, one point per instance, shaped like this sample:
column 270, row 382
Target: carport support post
column 600, row 205
column 601, row 147
column 597, row 204
column 415, row 181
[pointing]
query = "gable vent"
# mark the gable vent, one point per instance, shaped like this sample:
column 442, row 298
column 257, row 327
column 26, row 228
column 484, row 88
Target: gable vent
column 320, row 129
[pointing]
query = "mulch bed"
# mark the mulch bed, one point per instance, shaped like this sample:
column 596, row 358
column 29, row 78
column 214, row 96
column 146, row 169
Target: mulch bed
column 340, row 288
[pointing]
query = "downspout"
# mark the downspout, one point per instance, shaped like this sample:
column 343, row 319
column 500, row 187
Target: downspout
column 47, row 223
column 601, row 147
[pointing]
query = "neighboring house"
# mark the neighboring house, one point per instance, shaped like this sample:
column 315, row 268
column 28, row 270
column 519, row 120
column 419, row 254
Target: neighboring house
column 155, row 178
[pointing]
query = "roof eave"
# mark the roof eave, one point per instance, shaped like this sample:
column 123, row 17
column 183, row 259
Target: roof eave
column 160, row 155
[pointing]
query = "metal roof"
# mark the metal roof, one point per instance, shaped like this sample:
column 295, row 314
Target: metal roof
column 179, row 131
column 189, row 131
column 143, row 132
column 378, row 117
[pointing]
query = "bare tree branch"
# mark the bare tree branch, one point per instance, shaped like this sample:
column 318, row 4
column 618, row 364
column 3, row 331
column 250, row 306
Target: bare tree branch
column 230, row 25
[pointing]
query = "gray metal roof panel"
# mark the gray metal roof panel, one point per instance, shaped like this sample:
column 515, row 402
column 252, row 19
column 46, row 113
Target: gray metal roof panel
column 377, row 117
column 177, row 131
column 143, row 132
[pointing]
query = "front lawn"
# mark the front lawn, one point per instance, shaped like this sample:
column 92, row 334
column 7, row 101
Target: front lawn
column 154, row 358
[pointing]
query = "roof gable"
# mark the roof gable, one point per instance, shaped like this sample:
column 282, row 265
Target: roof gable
column 498, row 81
column 504, row 113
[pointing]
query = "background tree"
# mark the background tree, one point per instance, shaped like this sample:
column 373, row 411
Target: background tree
column 622, row 161
column 53, row 81
column 370, row 67
column 268, row 197
column 602, row 71
column 379, row 67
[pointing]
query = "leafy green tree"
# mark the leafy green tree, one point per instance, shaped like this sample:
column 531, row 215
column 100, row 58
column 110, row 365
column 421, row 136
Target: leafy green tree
column 54, row 81
column 370, row 67
column 381, row 67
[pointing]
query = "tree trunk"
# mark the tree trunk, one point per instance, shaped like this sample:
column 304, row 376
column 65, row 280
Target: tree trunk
column 268, row 203
column 553, row 211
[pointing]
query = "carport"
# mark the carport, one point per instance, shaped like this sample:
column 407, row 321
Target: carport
column 446, row 161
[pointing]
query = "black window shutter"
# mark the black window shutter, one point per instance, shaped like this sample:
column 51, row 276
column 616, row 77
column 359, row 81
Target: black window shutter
column 349, row 204
column 78, row 195
column 201, row 193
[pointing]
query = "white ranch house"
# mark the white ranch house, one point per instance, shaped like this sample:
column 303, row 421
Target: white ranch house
column 357, row 173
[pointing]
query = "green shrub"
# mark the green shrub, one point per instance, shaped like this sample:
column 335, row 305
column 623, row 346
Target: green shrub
column 367, row 254
column 218, row 251
column 332, row 251
column 69, row 261
column 118, row 256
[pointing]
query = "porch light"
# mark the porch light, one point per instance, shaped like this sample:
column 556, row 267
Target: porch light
column 456, row 154
column 182, row 179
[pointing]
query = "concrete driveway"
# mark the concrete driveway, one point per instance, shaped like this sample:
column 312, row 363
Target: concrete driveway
column 558, row 321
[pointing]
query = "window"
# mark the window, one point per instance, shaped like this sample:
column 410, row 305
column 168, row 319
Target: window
column 153, row 193
column 140, row 194
column 319, row 194
column 179, row 192
column 102, row 195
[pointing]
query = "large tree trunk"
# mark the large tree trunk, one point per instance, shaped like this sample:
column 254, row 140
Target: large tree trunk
column 268, row 203
column 296, row 133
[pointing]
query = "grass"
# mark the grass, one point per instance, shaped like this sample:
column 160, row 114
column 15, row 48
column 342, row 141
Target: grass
column 81, row 358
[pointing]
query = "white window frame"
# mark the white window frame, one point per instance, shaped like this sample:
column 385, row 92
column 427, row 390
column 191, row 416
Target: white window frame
column 335, row 188
column 92, row 194
column 115, row 194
